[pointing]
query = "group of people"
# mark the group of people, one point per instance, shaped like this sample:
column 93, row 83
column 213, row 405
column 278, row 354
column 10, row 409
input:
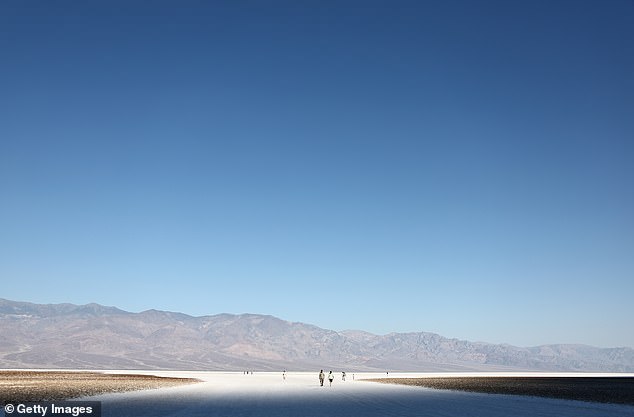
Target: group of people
column 331, row 377
column 322, row 377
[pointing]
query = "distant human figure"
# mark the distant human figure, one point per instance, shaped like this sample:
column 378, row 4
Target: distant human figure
column 330, row 378
column 343, row 376
column 321, row 377
column 284, row 375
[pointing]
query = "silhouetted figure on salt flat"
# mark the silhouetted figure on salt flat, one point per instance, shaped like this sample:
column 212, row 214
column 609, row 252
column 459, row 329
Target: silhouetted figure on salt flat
column 321, row 377
column 330, row 378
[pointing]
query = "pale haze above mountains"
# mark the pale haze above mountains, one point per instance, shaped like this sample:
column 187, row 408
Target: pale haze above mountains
column 97, row 337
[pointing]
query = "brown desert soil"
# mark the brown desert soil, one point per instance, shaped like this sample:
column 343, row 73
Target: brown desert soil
column 28, row 386
column 617, row 390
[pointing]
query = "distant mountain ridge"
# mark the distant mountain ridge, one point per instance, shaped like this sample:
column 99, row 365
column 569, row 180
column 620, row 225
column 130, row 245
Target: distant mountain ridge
column 93, row 336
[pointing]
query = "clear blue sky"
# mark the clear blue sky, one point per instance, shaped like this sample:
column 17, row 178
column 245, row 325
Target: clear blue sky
column 461, row 167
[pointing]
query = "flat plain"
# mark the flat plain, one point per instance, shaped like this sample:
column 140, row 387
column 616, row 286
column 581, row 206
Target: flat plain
column 269, row 394
column 617, row 390
column 299, row 393
column 26, row 386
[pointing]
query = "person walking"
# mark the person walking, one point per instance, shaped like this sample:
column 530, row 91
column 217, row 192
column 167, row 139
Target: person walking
column 331, row 376
column 343, row 376
column 321, row 377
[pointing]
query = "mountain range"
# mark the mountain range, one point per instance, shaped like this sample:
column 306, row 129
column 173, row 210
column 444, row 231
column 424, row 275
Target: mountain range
column 93, row 336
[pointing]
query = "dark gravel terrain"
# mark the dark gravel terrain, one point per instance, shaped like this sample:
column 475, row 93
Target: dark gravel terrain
column 617, row 390
column 28, row 386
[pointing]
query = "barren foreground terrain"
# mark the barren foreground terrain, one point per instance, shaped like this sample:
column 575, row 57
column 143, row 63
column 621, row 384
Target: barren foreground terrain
column 269, row 394
column 273, row 394
column 23, row 386
column 618, row 390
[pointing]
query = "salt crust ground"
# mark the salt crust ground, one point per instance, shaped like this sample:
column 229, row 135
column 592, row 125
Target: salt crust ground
column 26, row 386
column 267, row 394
